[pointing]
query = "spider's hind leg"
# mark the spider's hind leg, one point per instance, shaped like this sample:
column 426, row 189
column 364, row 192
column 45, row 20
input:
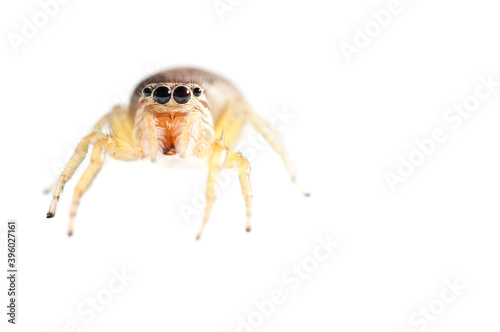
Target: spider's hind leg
column 273, row 136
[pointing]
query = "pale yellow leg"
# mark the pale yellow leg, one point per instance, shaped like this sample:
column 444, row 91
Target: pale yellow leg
column 114, row 147
column 216, row 160
column 273, row 136
column 237, row 160
column 75, row 161
column 121, row 125
column 231, row 122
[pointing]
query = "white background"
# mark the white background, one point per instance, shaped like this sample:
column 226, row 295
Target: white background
column 352, row 122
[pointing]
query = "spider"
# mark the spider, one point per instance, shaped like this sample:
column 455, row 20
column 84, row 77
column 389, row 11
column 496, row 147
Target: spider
column 184, row 111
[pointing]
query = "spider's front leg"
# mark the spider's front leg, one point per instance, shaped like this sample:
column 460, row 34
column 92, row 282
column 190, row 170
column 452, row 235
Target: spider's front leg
column 114, row 147
column 216, row 159
column 76, row 160
column 122, row 145
column 219, row 158
column 119, row 122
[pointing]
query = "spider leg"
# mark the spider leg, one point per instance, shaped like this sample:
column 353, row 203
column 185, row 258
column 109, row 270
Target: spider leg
column 237, row 160
column 119, row 122
column 228, row 128
column 218, row 160
column 273, row 136
column 231, row 122
column 217, row 157
column 116, row 148
column 75, row 161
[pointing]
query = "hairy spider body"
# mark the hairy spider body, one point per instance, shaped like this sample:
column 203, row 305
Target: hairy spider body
column 182, row 111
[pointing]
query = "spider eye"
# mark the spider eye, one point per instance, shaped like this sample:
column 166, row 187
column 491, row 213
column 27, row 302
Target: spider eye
column 146, row 92
column 182, row 94
column 197, row 92
column 162, row 95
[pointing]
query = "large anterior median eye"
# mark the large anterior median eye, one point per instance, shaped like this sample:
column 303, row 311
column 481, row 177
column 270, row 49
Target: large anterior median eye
column 162, row 95
column 182, row 94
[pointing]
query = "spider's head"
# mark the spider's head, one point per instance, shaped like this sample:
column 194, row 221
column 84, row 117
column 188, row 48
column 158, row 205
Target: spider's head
column 182, row 118
column 173, row 98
